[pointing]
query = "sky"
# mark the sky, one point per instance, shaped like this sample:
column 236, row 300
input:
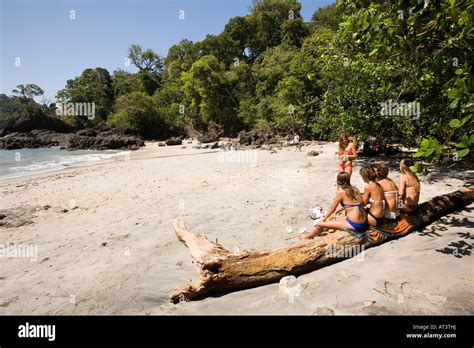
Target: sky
column 47, row 42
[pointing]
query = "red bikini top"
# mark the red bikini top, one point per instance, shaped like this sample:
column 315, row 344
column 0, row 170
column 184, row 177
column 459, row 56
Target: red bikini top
column 347, row 152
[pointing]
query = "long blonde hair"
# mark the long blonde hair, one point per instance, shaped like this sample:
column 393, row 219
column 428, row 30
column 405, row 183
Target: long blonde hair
column 343, row 142
column 405, row 169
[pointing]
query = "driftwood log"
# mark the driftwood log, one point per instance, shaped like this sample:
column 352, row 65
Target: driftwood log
column 221, row 271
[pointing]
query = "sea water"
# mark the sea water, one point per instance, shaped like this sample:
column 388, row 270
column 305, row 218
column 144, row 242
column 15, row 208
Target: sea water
column 25, row 162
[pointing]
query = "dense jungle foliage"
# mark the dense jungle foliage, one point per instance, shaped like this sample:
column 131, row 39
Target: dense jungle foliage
column 396, row 69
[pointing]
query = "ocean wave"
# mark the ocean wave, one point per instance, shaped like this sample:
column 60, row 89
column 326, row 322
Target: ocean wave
column 60, row 159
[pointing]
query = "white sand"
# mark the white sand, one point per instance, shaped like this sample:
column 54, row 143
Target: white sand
column 130, row 205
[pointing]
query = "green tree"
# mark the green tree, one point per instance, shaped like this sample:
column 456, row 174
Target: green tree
column 208, row 87
column 270, row 67
column 93, row 86
column 150, row 66
column 222, row 46
column 146, row 60
column 419, row 51
column 180, row 57
column 28, row 91
column 135, row 111
column 124, row 82
column 327, row 17
column 269, row 23
column 168, row 104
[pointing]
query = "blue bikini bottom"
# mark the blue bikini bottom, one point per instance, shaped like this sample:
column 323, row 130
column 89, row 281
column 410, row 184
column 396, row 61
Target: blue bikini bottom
column 356, row 226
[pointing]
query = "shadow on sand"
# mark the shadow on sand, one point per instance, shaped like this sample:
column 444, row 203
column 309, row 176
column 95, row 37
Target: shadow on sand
column 459, row 248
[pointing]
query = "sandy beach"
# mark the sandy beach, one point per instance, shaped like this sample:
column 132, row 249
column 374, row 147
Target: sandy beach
column 114, row 250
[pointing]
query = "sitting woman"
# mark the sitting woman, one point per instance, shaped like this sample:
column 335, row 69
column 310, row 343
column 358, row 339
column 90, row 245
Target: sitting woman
column 347, row 152
column 408, row 187
column 390, row 190
column 350, row 199
column 373, row 198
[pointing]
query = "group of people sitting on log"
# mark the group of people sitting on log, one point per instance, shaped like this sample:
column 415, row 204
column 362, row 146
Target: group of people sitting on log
column 382, row 197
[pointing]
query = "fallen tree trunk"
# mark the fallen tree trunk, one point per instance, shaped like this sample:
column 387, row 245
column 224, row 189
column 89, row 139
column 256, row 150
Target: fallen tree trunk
column 222, row 271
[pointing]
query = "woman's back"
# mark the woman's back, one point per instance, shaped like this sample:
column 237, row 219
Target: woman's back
column 354, row 208
column 376, row 191
column 376, row 198
column 391, row 193
column 412, row 189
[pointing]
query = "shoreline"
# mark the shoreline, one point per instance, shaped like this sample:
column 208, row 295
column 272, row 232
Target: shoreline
column 140, row 154
column 64, row 167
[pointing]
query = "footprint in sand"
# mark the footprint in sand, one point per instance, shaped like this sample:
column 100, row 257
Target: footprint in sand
column 121, row 237
column 400, row 292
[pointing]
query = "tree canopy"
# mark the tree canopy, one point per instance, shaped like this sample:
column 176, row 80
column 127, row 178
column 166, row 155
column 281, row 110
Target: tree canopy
column 334, row 74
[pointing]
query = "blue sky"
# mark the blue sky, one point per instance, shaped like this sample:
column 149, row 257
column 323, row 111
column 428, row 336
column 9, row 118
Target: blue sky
column 53, row 48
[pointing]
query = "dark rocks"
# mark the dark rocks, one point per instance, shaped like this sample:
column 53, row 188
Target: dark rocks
column 258, row 137
column 88, row 132
column 32, row 140
column 209, row 138
column 230, row 145
column 215, row 146
column 212, row 135
column 25, row 124
column 161, row 144
column 17, row 216
column 90, row 138
column 312, row 153
column 103, row 138
column 376, row 146
column 245, row 140
column 173, row 141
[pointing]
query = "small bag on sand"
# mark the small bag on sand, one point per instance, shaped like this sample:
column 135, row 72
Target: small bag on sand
column 316, row 214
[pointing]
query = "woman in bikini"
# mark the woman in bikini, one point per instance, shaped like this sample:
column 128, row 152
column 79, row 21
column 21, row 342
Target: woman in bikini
column 408, row 187
column 347, row 152
column 373, row 198
column 390, row 190
column 350, row 199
